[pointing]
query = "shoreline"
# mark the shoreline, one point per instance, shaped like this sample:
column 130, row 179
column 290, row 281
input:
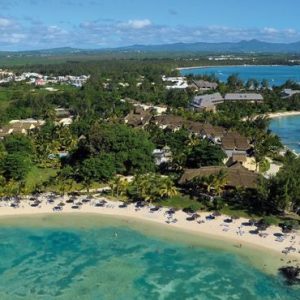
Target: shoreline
column 274, row 115
column 222, row 66
column 282, row 114
column 233, row 233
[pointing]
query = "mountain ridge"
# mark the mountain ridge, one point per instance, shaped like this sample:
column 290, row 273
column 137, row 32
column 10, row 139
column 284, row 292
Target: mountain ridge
column 243, row 46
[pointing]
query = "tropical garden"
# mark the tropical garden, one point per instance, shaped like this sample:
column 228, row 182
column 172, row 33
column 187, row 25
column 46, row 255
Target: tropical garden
column 99, row 150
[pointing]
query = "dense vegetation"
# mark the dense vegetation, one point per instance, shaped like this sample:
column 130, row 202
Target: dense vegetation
column 101, row 147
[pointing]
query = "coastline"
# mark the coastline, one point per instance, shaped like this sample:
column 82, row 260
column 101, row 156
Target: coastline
column 275, row 115
column 213, row 229
column 222, row 66
column 282, row 114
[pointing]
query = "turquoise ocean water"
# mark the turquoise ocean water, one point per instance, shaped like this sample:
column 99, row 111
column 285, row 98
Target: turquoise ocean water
column 288, row 129
column 276, row 75
column 107, row 261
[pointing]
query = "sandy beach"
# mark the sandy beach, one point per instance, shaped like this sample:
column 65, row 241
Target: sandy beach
column 237, row 232
column 275, row 115
column 283, row 114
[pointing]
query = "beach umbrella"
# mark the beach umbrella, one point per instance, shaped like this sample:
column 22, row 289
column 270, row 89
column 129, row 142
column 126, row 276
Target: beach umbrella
column 188, row 210
column 290, row 248
column 262, row 227
column 251, row 222
column 193, row 217
column 216, row 213
column 228, row 220
column 140, row 204
column 61, row 204
column 155, row 208
column 171, row 211
column 278, row 234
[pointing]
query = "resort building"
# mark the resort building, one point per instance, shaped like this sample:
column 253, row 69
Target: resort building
column 169, row 121
column 203, row 85
column 61, row 113
column 237, row 176
column 138, row 117
column 247, row 97
column 175, row 82
column 63, row 116
column 233, row 144
column 207, row 102
column 288, row 93
column 157, row 109
column 162, row 156
column 20, row 127
column 213, row 133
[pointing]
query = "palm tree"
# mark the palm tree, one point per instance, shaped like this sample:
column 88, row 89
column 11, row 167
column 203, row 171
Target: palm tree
column 11, row 188
column 118, row 185
column 167, row 188
column 219, row 181
column 65, row 180
column 193, row 141
column 201, row 182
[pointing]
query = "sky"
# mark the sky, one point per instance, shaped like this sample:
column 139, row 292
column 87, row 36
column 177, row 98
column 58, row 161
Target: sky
column 94, row 24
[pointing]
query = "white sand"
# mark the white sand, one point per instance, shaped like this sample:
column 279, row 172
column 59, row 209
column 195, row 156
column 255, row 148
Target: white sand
column 213, row 228
column 283, row 114
column 274, row 115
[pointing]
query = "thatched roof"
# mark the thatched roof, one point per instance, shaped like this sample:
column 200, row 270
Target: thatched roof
column 237, row 175
column 203, row 84
column 138, row 117
column 235, row 141
column 170, row 121
column 215, row 131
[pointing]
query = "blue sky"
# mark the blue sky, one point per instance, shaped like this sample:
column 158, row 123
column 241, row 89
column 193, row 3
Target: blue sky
column 37, row 24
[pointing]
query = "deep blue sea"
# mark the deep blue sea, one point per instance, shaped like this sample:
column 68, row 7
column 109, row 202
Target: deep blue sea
column 288, row 129
column 109, row 261
column 276, row 75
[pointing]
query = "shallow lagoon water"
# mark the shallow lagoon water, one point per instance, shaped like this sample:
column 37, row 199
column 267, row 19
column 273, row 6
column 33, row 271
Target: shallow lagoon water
column 92, row 257
column 276, row 75
column 288, row 129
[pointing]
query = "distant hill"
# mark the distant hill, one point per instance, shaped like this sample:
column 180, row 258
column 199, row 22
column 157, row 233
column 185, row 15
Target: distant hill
column 239, row 47
column 251, row 46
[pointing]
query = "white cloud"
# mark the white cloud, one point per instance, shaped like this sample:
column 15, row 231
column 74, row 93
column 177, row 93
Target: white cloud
column 270, row 30
column 137, row 24
column 112, row 33
column 5, row 22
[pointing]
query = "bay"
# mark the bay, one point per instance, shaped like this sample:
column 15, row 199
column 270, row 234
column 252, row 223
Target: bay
column 276, row 75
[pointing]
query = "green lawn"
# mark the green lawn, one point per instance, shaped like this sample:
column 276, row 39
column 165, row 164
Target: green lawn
column 180, row 201
column 234, row 212
column 37, row 176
